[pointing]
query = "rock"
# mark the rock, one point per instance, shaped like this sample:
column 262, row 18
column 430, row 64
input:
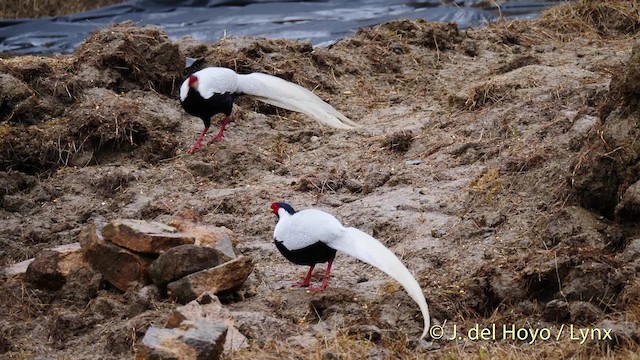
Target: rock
column 207, row 307
column 629, row 207
column 18, row 269
column 217, row 237
column 556, row 310
column 223, row 277
column 225, row 246
column 374, row 180
column 192, row 340
column 184, row 260
column 43, row 272
column 51, row 267
column 136, row 208
column 120, row 267
column 144, row 236
column 353, row 185
column 413, row 162
column 184, row 219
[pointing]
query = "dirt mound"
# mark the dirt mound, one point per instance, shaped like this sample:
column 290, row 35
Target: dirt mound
column 83, row 109
column 611, row 160
column 100, row 127
column 126, row 57
column 610, row 19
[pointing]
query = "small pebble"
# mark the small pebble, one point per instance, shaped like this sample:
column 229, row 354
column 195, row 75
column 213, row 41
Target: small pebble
column 413, row 162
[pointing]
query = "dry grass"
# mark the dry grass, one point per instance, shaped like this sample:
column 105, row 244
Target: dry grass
column 608, row 19
column 486, row 94
column 488, row 185
column 347, row 347
column 14, row 9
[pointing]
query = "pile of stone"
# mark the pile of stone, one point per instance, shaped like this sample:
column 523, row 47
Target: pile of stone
column 188, row 263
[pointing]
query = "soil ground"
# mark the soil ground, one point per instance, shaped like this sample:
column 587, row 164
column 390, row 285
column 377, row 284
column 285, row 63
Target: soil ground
column 492, row 161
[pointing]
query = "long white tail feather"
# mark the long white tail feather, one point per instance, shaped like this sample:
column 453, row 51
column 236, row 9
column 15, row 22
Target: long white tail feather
column 278, row 92
column 366, row 248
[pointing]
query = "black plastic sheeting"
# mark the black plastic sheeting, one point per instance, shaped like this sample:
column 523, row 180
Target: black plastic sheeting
column 321, row 22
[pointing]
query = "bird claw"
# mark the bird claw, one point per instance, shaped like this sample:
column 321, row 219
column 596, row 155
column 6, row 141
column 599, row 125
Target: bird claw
column 300, row 284
column 194, row 148
column 217, row 138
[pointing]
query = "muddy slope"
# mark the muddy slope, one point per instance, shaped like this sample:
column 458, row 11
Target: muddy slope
column 500, row 164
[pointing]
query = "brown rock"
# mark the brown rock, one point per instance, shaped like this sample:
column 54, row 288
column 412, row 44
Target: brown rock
column 51, row 267
column 145, row 237
column 207, row 307
column 192, row 340
column 43, row 272
column 184, row 260
column 220, row 238
column 120, row 267
column 184, row 219
column 229, row 275
column 216, row 237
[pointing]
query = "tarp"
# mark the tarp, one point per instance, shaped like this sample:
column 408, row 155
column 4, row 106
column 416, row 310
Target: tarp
column 321, row 22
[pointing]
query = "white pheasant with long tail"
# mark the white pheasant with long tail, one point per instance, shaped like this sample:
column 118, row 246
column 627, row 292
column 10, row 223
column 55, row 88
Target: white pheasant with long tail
column 212, row 91
column 312, row 236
